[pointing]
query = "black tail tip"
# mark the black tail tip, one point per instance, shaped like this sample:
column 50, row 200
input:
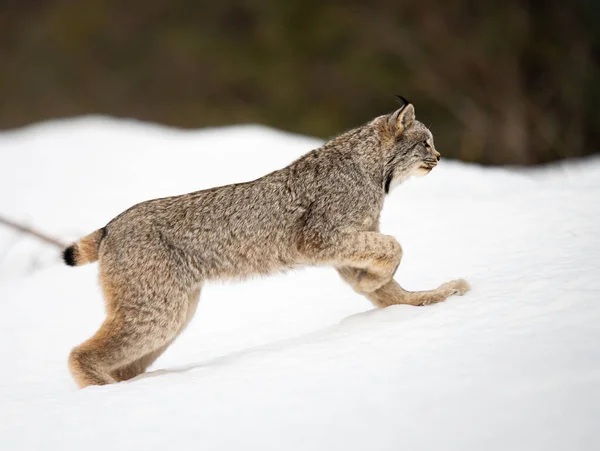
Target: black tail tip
column 69, row 256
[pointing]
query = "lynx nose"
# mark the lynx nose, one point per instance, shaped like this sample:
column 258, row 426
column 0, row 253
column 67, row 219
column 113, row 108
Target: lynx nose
column 437, row 155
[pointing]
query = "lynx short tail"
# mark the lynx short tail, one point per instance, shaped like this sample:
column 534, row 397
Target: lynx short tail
column 85, row 250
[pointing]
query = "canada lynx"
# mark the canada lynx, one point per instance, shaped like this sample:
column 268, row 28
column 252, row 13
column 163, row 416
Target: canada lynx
column 323, row 209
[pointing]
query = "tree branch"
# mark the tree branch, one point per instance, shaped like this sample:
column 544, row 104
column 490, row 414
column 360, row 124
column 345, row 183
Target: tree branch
column 29, row 231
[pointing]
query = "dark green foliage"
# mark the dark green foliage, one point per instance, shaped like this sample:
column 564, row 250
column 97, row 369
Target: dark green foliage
column 500, row 82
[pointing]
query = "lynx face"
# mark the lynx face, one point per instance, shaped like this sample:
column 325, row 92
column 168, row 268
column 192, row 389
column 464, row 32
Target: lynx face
column 413, row 151
column 417, row 144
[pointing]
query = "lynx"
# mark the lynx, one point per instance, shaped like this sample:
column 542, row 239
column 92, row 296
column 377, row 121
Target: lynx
column 323, row 209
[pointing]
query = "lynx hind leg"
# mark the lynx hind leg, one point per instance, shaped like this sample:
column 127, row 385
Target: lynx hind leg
column 137, row 330
column 139, row 366
column 120, row 341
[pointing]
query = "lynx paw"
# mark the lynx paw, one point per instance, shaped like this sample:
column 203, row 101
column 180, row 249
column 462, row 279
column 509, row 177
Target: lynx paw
column 458, row 287
column 454, row 287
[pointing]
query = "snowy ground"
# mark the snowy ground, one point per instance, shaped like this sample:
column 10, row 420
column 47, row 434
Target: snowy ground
column 299, row 361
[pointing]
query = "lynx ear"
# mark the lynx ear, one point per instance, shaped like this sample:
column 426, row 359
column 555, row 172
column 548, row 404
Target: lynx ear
column 403, row 118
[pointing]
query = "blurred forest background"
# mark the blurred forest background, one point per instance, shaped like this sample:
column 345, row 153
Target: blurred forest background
column 499, row 82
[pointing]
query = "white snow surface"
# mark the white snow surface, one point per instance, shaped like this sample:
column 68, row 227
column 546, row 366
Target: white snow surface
column 298, row 361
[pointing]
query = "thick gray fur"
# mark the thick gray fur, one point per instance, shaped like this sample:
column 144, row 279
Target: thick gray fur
column 323, row 209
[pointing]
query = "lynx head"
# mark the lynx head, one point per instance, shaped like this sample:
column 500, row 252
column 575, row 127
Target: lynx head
column 412, row 150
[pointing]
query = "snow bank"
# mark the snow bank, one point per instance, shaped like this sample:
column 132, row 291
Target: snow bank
column 299, row 361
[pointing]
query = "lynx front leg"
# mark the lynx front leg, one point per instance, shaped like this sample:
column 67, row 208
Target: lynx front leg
column 392, row 293
column 372, row 257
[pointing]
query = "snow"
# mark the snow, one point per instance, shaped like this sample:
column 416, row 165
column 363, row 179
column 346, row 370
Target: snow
column 299, row 361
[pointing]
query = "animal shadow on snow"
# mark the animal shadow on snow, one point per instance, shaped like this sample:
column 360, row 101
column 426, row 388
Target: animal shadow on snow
column 357, row 322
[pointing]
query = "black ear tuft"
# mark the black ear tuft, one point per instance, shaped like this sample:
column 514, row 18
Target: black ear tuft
column 402, row 100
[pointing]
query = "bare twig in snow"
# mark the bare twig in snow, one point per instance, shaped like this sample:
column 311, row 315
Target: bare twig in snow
column 29, row 231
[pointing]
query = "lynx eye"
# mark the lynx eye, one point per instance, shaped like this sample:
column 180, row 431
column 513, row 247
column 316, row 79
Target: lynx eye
column 426, row 144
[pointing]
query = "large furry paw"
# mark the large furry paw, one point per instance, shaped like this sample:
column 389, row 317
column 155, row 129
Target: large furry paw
column 443, row 292
column 458, row 287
